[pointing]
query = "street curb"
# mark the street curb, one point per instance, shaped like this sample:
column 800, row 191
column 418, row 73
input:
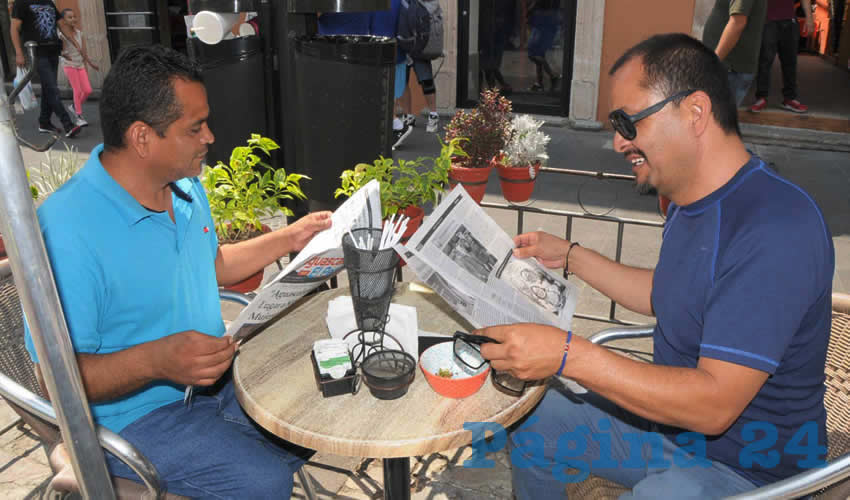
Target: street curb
column 795, row 137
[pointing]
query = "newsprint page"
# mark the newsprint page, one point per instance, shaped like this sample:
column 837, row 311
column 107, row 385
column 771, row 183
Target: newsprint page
column 464, row 256
column 317, row 262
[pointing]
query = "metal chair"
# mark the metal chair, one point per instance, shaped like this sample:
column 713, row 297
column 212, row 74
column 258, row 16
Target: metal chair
column 21, row 390
column 829, row 482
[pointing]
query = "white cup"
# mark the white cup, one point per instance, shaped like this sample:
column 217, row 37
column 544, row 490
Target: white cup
column 247, row 29
column 213, row 27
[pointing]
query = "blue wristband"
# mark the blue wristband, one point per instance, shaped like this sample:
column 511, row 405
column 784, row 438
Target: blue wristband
column 566, row 352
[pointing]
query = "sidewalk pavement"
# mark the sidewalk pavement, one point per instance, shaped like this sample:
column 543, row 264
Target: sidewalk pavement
column 825, row 174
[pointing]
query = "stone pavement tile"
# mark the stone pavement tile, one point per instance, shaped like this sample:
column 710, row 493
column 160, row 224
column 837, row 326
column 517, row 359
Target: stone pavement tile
column 438, row 476
column 21, row 476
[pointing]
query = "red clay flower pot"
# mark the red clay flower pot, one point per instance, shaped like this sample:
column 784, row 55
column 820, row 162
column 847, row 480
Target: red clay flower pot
column 474, row 180
column 517, row 182
column 252, row 282
column 416, row 215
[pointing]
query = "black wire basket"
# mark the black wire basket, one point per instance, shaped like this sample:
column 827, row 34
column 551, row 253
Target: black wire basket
column 371, row 278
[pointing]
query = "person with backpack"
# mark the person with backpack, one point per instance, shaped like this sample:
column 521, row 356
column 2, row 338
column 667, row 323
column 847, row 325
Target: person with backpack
column 420, row 36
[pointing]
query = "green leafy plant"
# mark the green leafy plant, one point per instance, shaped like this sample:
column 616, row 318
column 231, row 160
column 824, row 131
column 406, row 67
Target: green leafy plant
column 240, row 195
column 56, row 169
column 406, row 183
column 485, row 126
column 527, row 143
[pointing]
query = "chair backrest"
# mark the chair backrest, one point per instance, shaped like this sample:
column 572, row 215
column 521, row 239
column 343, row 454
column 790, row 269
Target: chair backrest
column 15, row 361
column 838, row 378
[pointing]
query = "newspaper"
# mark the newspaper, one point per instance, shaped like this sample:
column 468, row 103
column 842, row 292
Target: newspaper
column 464, row 256
column 318, row 261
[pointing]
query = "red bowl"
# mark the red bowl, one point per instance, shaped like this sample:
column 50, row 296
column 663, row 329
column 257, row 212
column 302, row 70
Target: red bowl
column 464, row 381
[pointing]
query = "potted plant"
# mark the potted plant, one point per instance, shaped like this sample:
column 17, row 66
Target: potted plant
column 406, row 185
column 522, row 157
column 241, row 194
column 54, row 170
column 486, row 128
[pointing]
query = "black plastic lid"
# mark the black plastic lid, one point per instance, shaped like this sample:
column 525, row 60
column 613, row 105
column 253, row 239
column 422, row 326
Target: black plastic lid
column 355, row 49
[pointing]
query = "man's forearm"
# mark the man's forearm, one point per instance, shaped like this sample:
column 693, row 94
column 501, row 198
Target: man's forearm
column 731, row 35
column 656, row 392
column 628, row 286
column 109, row 376
column 241, row 260
column 15, row 34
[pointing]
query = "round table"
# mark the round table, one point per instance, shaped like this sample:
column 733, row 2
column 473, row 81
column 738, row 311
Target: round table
column 274, row 383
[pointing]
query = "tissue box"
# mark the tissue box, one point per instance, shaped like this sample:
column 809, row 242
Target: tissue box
column 329, row 386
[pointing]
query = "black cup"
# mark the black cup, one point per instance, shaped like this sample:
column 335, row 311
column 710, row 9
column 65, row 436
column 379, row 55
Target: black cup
column 389, row 373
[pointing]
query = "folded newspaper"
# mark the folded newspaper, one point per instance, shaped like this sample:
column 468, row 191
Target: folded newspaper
column 464, row 256
column 317, row 262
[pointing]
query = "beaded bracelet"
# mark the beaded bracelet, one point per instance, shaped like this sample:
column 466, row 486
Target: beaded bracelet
column 566, row 352
column 567, row 259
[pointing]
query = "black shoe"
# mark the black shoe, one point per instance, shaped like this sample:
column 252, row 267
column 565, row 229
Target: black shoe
column 73, row 131
column 555, row 80
column 48, row 129
column 401, row 134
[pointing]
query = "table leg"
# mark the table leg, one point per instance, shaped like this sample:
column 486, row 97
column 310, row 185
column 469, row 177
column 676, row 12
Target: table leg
column 397, row 478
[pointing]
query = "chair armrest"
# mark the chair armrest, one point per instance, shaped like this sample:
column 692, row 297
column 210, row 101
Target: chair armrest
column 621, row 333
column 231, row 296
column 802, row 483
column 112, row 442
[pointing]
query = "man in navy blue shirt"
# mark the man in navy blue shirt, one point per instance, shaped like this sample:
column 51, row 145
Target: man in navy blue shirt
column 741, row 293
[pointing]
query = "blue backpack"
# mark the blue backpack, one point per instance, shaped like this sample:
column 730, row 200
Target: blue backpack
column 420, row 29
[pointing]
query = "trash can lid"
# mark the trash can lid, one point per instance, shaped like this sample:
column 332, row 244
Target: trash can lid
column 354, row 49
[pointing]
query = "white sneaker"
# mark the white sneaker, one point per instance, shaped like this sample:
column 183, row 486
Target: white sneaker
column 400, row 135
column 433, row 123
column 409, row 120
column 78, row 119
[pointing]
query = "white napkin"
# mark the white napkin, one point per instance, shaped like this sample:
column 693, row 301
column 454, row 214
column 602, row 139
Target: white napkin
column 402, row 325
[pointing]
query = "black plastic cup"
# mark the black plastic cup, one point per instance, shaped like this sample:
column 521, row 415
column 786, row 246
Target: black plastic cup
column 371, row 278
column 389, row 373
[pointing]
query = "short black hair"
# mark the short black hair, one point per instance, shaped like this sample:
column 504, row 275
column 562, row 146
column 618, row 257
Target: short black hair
column 140, row 87
column 675, row 62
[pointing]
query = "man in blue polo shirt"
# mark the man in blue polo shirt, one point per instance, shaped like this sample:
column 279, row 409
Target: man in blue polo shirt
column 742, row 297
column 137, row 265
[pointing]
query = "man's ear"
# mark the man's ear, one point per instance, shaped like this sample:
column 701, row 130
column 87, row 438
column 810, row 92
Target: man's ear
column 138, row 138
column 698, row 107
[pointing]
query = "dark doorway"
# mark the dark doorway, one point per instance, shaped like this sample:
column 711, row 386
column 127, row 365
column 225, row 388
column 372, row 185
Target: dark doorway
column 522, row 47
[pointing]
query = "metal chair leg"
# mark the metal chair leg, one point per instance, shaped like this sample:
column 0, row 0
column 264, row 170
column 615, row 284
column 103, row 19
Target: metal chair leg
column 306, row 484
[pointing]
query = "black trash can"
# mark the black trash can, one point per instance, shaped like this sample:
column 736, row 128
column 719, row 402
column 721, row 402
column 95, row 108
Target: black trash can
column 344, row 86
column 235, row 82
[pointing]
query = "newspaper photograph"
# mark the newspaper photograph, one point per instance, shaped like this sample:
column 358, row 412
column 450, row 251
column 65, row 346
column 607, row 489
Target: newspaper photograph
column 320, row 260
column 464, row 256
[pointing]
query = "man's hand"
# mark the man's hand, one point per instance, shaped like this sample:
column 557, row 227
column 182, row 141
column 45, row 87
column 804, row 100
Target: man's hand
column 193, row 358
column 549, row 250
column 809, row 26
column 20, row 60
column 302, row 231
column 528, row 351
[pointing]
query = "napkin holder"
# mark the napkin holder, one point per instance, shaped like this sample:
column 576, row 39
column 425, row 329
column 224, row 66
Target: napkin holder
column 329, row 386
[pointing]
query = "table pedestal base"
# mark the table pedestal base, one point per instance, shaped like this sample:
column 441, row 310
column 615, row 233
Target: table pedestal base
column 397, row 478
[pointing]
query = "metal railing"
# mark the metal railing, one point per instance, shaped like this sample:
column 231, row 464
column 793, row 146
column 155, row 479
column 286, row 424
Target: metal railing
column 620, row 222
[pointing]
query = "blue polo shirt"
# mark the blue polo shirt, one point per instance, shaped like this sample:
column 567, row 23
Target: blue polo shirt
column 127, row 275
column 745, row 276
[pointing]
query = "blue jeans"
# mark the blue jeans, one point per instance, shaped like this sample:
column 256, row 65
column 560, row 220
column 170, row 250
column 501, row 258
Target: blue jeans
column 47, row 65
column 212, row 450
column 740, row 84
column 566, row 416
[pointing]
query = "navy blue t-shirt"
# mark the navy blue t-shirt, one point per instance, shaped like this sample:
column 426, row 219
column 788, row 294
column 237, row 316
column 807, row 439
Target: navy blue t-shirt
column 745, row 276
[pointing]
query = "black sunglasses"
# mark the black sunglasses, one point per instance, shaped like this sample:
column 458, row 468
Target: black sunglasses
column 467, row 348
column 624, row 123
